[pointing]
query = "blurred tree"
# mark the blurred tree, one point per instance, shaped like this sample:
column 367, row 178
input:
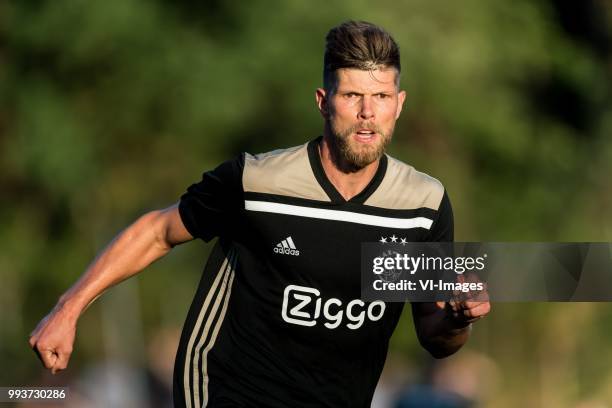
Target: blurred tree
column 108, row 109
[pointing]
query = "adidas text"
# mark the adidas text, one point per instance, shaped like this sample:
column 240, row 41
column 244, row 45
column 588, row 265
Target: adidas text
column 287, row 251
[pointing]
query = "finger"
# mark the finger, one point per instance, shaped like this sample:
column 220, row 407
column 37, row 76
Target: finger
column 478, row 311
column 46, row 355
column 468, row 305
column 48, row 358
column 482, row 310
column 475, row 304
column 471, row 304
column 455, row 305
column 61, row 363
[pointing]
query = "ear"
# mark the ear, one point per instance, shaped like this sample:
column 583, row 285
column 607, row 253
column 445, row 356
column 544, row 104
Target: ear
column 322, row 104
column 401, row 97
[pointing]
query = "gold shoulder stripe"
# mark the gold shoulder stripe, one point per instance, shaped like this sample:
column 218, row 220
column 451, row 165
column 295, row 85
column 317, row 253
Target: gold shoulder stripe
column 405, row 188
column 284, row 172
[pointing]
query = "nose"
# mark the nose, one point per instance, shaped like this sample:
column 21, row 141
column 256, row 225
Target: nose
column 366, row 110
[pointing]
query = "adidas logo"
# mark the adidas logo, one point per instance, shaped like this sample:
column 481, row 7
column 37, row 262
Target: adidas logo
column 286, row 247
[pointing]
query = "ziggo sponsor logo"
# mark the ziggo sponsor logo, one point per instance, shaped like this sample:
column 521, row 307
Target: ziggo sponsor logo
column 296, row 309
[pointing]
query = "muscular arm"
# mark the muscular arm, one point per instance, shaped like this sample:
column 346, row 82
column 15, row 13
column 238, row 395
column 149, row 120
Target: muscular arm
column 149, row 238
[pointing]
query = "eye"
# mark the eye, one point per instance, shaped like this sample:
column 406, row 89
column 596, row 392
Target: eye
column 383, row 96
column 351, row 95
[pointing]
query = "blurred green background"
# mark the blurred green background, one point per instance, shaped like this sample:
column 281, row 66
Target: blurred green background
column 110, row 109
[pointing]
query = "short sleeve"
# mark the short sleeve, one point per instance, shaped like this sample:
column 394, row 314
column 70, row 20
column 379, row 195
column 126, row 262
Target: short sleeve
column 212, row 207
column 442, row 229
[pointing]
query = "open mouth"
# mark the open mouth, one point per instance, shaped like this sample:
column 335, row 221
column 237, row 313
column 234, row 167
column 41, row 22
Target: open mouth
column 365, row 135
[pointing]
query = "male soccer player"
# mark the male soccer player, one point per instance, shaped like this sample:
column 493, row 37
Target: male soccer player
column 277, row 318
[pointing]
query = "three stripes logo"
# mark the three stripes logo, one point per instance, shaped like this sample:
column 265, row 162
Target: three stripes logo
column 286, row 247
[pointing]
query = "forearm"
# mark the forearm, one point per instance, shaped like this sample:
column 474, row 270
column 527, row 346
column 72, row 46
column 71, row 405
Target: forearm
column 128, row 253
column 438, row 331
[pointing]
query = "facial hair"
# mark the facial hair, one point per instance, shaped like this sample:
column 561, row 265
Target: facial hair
column 351, row 156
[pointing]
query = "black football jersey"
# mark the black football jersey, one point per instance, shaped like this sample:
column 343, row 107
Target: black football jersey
column 277, row 318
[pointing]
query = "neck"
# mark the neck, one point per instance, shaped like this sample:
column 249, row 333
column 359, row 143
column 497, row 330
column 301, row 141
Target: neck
column 349, row 181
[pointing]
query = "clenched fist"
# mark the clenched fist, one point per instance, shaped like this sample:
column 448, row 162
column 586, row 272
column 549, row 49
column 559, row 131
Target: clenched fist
column 53, row 338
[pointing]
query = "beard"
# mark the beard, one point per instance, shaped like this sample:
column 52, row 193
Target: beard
column 351, row 155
